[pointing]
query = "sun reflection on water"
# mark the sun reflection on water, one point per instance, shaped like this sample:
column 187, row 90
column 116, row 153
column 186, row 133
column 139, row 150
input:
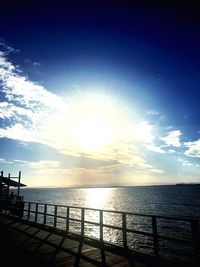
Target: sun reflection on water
column 97, row 197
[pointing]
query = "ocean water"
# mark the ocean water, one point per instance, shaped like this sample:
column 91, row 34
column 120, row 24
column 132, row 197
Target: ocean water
column 175, row 201
column 159, row 200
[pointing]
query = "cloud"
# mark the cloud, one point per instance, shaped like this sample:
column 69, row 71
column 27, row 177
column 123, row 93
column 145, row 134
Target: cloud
column 185, row 162
column 9, row 111
column 171, row 151
column 36, row 64
column 7, row 48
column 156, row 114
column 153, row 112
column 193, row 149
column 36, row 115
column 32, row 63
column 18, row 131
column 4, row 161
column 43, row 164
column 172, row 138
column 23, row 91
column 156, row 149
column 157, row 171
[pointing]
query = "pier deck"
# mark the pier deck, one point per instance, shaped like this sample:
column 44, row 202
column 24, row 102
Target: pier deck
column 30, row 244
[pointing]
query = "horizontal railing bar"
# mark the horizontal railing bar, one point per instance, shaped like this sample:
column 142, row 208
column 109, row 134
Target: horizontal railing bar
column 171, row 238
column 138, row 232
column 127, row 230
column 49, row 214
column 61, row 217
column 112, row 227
column 122, row 212
column 73, row 219
column 93, row 223
column 42, row 213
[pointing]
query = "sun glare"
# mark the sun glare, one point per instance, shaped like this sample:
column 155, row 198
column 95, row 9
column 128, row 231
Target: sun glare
column 97, row 196
column 95, row 123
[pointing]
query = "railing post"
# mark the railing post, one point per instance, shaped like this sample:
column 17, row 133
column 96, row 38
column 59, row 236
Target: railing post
column 155, row 236
column 67, row 220
column 101, row 225
column 19, row 180
column 45, row 213
column 195, row 228
column 29, row 209
column 82, row 222
column 36, row 212
column 55, row 215
column 8, row 187
column 124, row 230
column 1, row 177
column 103, row 257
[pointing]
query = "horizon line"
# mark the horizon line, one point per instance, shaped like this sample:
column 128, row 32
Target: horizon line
column 107, row 186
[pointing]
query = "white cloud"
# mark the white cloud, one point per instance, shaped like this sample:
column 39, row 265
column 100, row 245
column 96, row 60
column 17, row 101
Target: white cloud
column 193, row 149
column 43, row 164
column 4, row 161
column 7, row 47
column 172, row 138
column 157, row 171
column 19, row 132
column 143, row 131
column 23, row 91
column 185, row 162
column 8, row 111
column 153, row 112
column 157, row 114
column 171, row 151
column 156, row 149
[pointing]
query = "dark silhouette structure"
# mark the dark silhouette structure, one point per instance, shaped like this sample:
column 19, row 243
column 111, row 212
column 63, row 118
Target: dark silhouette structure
column 9, row 202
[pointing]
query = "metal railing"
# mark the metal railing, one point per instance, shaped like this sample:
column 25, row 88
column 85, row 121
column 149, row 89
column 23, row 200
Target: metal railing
column 41, row 212
column 64, row 217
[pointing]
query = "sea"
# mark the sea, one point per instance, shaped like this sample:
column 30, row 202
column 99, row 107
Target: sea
column 168, row 200
column 172, row 200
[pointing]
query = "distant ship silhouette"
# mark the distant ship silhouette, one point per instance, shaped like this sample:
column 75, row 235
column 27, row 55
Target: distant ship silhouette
column 182, row 184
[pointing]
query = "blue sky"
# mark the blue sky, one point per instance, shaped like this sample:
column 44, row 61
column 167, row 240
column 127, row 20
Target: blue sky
column 100, row 92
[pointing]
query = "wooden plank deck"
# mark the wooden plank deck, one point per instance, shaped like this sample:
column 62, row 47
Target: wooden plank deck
column 29, row 244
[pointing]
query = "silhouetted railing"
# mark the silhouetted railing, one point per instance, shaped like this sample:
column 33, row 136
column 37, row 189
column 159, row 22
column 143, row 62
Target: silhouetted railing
column 14, row 205
column 62, row 217
column 39, row 212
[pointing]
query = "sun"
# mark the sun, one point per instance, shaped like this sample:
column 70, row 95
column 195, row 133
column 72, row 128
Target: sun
column 95, row 131
column 95, row 123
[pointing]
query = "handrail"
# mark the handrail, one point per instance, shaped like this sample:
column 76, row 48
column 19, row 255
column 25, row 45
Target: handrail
column 179, row 218
column 34, row 208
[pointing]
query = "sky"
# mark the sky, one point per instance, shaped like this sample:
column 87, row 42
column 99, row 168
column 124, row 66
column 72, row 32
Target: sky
column 100, row 92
